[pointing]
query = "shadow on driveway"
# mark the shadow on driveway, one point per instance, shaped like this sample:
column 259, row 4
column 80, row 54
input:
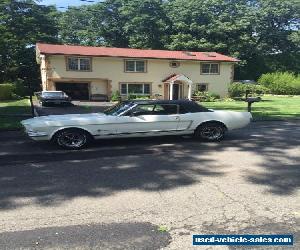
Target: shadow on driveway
column 50, row 176
column 95, row 236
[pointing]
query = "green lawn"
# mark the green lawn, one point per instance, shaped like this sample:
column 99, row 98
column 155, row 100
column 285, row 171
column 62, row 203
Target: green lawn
column 271, row 107
column 12, row 112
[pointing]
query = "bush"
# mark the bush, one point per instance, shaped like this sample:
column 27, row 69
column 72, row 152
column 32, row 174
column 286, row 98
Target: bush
column 115, row 97
column 137, row 97
column 206, row 96
column 20, row 89
column 281, row 83
column 239, row 89
column 7, row 91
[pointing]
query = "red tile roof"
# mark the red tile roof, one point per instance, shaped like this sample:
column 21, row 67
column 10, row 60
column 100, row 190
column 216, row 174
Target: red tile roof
column 52, row 49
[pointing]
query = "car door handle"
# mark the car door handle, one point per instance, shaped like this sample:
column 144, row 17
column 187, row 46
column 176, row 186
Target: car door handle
column 177, row 117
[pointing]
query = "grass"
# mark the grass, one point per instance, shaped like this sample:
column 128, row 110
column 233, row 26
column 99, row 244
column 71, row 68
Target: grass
column 12, row 112
column 271, row 107
column 15, row 107
column 10, row 123
column 162, row 229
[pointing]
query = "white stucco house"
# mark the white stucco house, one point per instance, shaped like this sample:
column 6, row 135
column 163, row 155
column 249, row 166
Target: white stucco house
column 83, row 72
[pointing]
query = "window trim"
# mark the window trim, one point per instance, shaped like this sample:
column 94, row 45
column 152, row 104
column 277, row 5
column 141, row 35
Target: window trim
column 150, row 90
column 145, row 66
column 155, row 104
column 171, row 104
column 79, row 57
column 219, row 68
column 200, row 83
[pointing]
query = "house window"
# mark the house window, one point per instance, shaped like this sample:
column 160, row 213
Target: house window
column 174, row 64
column 79, row 64
column 210, row 68
column 135, row 88
column 135, row 66
column 202, row 87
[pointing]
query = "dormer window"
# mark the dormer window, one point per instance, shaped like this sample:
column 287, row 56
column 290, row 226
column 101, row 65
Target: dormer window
column 174, row 64
column 137, row 66
column 79, row 64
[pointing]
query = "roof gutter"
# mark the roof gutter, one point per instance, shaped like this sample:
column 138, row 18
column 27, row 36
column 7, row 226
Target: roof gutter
column 155, row 58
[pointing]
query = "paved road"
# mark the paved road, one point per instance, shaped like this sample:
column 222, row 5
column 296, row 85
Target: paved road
column 248, row 183
column 139, row 236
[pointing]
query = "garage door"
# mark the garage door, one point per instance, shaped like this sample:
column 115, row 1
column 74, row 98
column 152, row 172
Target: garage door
column 77, row 91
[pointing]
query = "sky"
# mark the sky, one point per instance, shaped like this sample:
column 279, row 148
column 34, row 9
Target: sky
column 66, row 3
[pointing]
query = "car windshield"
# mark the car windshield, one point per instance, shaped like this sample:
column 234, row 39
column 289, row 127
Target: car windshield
column 53, row 94
column 118, row 108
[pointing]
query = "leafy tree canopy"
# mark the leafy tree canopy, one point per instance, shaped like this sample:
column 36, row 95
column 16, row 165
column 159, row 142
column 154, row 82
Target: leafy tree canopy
column 22, row 24
column 263, row 34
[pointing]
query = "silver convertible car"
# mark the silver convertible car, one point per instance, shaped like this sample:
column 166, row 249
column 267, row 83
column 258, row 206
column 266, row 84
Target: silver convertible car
column 139, row 118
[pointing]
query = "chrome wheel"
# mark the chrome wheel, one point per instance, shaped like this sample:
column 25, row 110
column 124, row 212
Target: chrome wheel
column 72, row 138
column 210, row 132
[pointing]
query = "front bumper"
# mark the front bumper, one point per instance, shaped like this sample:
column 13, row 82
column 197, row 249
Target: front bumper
column 55, row 101
column 35, row 135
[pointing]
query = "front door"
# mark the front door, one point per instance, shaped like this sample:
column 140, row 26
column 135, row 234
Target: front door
column 176, row 91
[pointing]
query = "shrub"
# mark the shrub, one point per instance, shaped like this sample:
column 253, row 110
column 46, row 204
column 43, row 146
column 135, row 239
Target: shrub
column 206, row 96
column 115, row 97
column 7, row 91
column 281, row 83
column 137, row 97
column 239, row 89
column 20, row 89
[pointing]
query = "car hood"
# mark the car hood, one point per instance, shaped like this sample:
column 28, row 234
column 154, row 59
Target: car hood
column 68, row 119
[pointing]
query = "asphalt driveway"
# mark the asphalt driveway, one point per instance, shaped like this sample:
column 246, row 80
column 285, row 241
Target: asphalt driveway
column 248, row 183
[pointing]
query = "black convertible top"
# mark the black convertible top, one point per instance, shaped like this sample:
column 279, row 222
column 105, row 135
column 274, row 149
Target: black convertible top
column 187, row 105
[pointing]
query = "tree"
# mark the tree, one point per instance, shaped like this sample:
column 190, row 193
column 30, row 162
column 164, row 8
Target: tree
column 97, row 24
column 147, row 24
column 23, row 23
column 117, row 23
column 262, row 33
column 276, row 35
column 80, row 25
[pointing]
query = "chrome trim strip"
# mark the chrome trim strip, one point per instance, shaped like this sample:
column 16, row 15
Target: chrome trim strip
column 36, row 134
column 143, row 132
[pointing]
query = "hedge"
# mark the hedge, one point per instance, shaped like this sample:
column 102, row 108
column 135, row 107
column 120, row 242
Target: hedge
column 7, row 91
column 281, row 83
column 206, row 96
column 239, row 89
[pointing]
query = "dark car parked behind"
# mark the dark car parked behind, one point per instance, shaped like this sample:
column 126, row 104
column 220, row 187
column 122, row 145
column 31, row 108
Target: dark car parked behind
column 47, row 98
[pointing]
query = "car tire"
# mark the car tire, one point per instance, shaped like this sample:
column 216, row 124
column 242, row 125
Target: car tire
column 210, row 131
column 72, row 138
